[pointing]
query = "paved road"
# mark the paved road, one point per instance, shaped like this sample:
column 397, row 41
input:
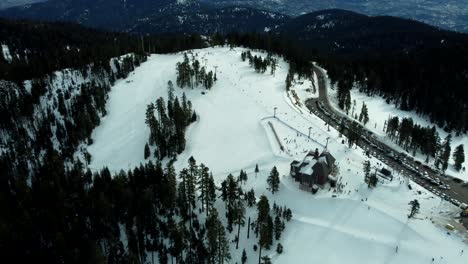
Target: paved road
column 400, row 163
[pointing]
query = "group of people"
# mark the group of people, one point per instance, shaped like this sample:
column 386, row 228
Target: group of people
column 433, row 259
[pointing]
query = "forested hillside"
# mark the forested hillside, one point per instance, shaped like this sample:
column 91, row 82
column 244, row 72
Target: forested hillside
column 60, row 211
column 209, row 21
column 431, row 82
column 40, row 48
column 54, row 84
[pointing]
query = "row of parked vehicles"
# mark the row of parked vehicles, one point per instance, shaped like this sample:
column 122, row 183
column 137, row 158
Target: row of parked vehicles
column 324, row 111
column 434, row 184
column 422, row 173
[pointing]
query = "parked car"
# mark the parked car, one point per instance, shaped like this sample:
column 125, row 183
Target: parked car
column 457, row 180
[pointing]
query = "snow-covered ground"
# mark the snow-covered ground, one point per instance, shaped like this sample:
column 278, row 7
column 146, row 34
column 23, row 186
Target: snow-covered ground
column 380, row 111
column 234, row 132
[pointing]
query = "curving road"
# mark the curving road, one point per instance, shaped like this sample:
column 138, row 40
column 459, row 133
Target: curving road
column 446, row 187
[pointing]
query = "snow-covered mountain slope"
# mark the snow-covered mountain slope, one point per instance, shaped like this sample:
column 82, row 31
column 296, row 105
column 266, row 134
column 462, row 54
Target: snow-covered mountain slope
column 233, row 132
column 56, row 111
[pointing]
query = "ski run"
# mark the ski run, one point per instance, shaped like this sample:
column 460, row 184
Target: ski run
column 236, row 130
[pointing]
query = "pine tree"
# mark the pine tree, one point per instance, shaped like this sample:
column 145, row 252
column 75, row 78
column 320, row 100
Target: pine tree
column 147, row 151
column 266, row 260
column 361, row 115
column 273, row 66
column 414, row 208
column 232, row 196
column 341, row 128
column 163, row 255
column 369, row 178
column 288, row 214
column 210, row 193
column 459, row 157
column 256, row 170
column 190, row 187
column 278, row 228
column 445, row 152
column 251, row 198
column 87, row 156
column 268, row 232
column 151, row 122
column 169, row 194
column 347, row 102
column 367, row 170
column 203, row 179
column 239, row 218
column 212, row 224
column 264, row 225
column 194, row 176
column 182, row 199
column 365, row 119
column 354, row 133
column 241, row 176
column 353, row 108
column 341, row 94
column 279, row 248
column 218, row 246
column 177, row 238
column 289, row 79
column 244, row 257
column 170, row 91
column 364, row 115
column 273, row 180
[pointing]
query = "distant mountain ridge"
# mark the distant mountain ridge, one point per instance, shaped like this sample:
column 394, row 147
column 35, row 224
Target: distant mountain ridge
column 346, row 32
column 11, row 3
column 332, row 30
column 448, row 14
column 118, row 15
column 149, row 16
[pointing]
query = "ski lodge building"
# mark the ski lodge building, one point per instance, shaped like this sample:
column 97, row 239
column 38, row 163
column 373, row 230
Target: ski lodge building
column 314, row 170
